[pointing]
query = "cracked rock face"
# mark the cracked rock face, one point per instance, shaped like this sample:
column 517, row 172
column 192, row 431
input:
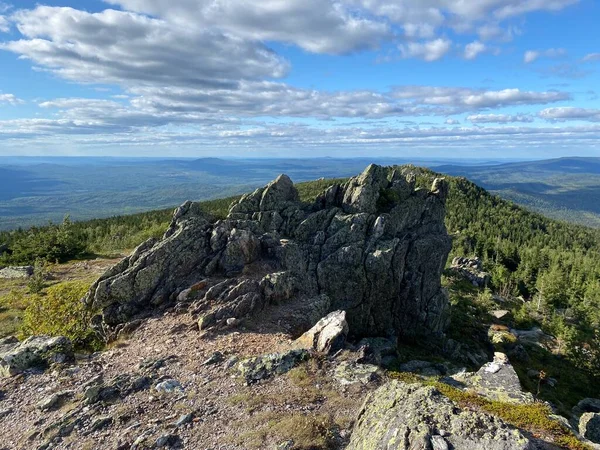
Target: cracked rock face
column 410, row 416
column 373, row 247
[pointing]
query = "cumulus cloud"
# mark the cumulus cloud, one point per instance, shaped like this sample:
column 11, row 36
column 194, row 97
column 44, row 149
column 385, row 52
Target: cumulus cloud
column 533, row 55
column 473, row 49
column 314, row 25
column 459, row 14
column 570, row 113
column 499, row 118
column 11, row 99
column 428, row 51
column 123, row 48
column 206, row 65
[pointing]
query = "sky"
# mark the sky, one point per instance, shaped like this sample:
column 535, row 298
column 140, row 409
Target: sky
column 300, row 78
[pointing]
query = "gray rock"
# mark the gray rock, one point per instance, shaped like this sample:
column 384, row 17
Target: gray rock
column 328, row 335
column 184, row 420
column 8, row 343
column 497, row 380
column 215, row 358
column 169, row 386
column 262, row 367
column 408, row 416
column 586, row 405
column 167, row 440
column 374, row 247
column 589, row 426
column 101, row 422
column 353, row 373
column 16, row 272
column 471, row 269
column 117, row 387
column 54, row 401
column 36, row 351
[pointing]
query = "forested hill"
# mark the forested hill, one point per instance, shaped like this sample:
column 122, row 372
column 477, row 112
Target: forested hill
column 565, row 188
column 529, row 256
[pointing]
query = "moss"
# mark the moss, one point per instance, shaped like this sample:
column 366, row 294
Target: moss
column 534, row 418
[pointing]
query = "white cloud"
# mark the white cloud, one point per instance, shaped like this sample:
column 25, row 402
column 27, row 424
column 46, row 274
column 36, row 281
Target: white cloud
column 499, row 118
column 452, row 122
column 128, row 49
column 591, row 57
column 473, row 49
column 570, row 113
column 314, row 25
column 465, row 99
column 4, row 24
column 11, row 99
column 428, row 51
column 533, row 55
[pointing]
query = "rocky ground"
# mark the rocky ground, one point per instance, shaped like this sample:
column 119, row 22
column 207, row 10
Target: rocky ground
column 214, row 408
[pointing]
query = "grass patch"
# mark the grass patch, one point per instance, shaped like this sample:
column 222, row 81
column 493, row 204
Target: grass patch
column 307, row 431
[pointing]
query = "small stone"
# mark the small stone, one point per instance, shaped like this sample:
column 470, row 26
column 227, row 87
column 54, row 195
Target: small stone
column 351, row 373
column 215, row 358
column 233, row 322
column 169, row 386
column 184, row 420
column 231, row 362
column 5, row 412
column 53, row 401
column 166, row 440
column 101, row 422
column 500, row 313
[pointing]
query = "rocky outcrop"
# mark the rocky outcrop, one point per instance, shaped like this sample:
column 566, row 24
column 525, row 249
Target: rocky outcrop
column 410, row 416
column 36, row 351
column 16, row 272
column 373, row 247
column 471, row 269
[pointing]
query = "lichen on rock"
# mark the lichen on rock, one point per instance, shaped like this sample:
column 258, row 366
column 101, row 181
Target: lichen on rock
column 410, row 416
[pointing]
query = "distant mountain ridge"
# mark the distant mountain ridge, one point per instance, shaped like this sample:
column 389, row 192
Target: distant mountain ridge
column 41, row 189
column 564, row 188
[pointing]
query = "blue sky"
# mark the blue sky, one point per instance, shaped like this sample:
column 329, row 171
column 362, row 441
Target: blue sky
column 427, row 78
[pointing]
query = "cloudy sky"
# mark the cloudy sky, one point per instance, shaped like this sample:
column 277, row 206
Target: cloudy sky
column 451, row 78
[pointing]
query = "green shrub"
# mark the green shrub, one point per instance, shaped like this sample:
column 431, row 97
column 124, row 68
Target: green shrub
column 62, row 313
column 37, row 281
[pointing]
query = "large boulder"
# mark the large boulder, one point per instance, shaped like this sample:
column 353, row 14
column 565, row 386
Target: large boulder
column 589, row 427
column 36, row 351
column 496, row 380
column 16, row 272
column 328, row 335
column 374, row 247
column 410, row 416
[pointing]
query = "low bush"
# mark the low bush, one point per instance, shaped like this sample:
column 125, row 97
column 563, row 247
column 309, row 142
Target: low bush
column 60, row 312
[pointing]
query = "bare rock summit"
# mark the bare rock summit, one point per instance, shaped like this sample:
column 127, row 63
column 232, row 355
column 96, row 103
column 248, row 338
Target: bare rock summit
column 373, row 247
